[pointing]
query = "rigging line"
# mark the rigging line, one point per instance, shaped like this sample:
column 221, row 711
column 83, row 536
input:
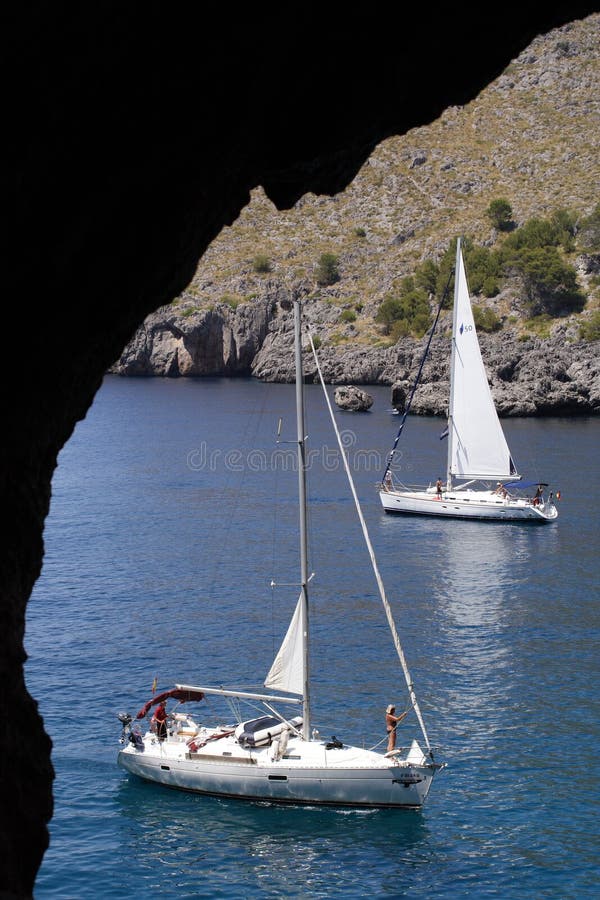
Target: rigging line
column 386, row 605
column 418, row 378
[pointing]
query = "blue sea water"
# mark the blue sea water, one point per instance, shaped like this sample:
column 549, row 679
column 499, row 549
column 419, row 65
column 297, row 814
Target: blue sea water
column 174, row 506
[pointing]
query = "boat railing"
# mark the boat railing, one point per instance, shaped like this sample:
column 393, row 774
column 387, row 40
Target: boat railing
column 390, row 485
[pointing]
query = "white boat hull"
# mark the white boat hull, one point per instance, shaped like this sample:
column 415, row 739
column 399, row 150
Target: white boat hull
column 308, row 773
column 467, row 504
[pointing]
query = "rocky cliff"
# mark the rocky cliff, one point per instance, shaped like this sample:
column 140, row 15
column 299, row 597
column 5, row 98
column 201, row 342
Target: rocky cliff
column 528, row 376
column 532, row 136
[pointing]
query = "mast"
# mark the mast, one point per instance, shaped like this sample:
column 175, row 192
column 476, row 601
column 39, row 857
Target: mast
column 452, row 366
column 301, row 436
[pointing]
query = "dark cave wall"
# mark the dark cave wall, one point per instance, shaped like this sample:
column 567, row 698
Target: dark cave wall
column 134, row 135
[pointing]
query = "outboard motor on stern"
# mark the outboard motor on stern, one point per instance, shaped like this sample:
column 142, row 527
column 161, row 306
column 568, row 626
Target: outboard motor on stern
column 125, row 719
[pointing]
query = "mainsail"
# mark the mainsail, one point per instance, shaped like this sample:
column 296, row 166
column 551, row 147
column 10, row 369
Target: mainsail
column 478, row 448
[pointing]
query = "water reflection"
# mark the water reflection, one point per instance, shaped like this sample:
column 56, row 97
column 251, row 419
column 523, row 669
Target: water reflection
column 475, row 574
column 254, row 848
column 479, row 567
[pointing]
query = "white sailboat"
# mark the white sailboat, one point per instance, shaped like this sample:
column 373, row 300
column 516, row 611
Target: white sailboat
column 277, row 756
column 481, row 479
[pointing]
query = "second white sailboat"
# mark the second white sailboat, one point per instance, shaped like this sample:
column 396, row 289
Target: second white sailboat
column 481, row 478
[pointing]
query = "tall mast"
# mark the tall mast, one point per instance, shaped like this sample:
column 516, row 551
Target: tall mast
column 451, row 435
column 301, row 435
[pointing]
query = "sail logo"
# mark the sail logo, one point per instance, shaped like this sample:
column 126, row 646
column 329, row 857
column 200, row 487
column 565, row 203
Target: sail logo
column 464, row 327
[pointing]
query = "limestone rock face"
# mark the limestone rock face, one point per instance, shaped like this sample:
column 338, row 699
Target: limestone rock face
column 353, row 399
column 557, row 375
column 527, row 378
column 220, row 341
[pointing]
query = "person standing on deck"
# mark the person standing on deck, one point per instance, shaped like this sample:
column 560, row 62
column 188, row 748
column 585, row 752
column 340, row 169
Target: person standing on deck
column 160, row 720
column 391, row 723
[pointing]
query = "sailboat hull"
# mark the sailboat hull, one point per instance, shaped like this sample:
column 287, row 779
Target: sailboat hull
column 467, row 505
column 309, row 774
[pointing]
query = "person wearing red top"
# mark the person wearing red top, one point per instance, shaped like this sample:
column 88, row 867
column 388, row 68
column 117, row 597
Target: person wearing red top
column 160, row 720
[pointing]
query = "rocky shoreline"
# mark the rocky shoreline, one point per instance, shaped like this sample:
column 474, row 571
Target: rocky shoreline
column 528, row 376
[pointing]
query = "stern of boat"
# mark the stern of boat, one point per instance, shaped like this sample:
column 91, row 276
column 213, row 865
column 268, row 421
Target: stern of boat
column 547, row 511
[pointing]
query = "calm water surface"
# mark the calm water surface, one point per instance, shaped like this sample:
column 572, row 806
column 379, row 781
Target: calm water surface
column 173, row 509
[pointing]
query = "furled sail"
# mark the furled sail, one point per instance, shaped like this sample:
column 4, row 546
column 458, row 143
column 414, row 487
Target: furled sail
column 478, row 448
column 286, row 673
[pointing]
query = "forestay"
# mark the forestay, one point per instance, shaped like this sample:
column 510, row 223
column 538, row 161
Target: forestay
column 376, row 572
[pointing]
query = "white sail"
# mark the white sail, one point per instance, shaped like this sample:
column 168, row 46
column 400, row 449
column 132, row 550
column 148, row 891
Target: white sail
column 286, row 673
column 477, row 447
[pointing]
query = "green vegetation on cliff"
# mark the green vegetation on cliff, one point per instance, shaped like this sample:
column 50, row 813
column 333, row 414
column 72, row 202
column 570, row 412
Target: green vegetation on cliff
column 535, row 255
column 515, row 172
